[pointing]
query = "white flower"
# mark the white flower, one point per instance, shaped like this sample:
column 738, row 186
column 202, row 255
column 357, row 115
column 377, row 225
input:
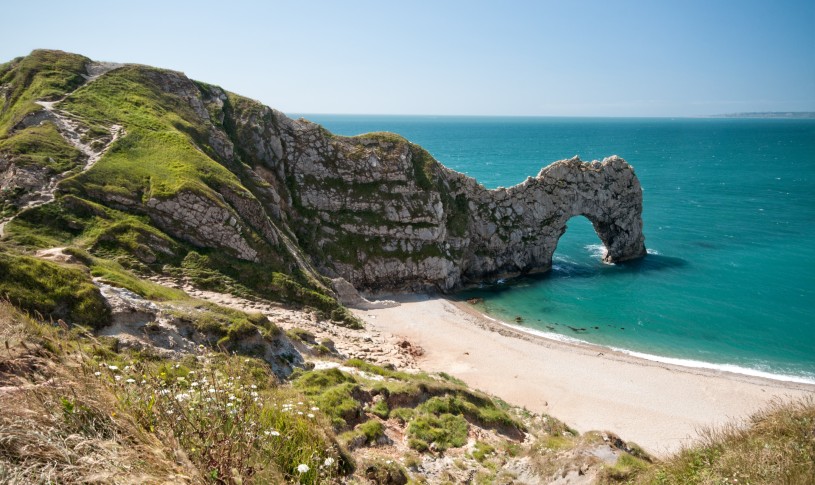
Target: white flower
column 315, row 408
column 274, row 433
column 302, row 468
column 253, row 386
column 328, row 462
column 310, row 415
column 131, row 381
column 113, row 367
column 117, row 377
column 212, row 390
column 229, row 404
column 182, row 397
column 97, row 373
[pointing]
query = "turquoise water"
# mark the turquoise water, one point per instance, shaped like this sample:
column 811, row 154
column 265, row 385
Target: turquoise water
column 729, row 221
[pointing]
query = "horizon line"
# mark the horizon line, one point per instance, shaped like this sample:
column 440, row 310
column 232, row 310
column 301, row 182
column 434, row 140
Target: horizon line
column 742, row 114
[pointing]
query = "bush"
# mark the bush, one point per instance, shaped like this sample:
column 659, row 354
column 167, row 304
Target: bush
column 445, row 431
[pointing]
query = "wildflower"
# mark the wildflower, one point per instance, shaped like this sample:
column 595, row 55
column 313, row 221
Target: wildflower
column 97, row 373
column 143, row 381
column 229, row 404
column 310, row 415
column 117, row 377
column 212, row 390
column 315, row 408
column 131, row 381
column 193, row 384
column 231, row 397
column 253, row 386
column 328, row 462
column 113, row 367
column 302, row 468
column 274, row 433
column 300, row 413
column 182, row 397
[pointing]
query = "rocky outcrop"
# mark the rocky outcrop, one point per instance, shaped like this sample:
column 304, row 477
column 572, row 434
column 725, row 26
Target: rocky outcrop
column 168, row 329
column 196, row 219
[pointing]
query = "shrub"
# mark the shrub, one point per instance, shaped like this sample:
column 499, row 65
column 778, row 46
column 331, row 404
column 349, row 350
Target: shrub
column 445, row 431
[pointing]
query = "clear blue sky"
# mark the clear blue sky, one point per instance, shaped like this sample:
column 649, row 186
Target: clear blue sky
column 572, row 58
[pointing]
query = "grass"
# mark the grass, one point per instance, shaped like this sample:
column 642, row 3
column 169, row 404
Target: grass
column 481, row 409
column 41, row 146
column 43, row 74
column 225, row 327
column 775, row 445
column 113, row 273
column 627, row 467
column 366, row 433
column 124, row 417
column 52, row 290
column 429, row 431
column 333, row 391
column 482, row 450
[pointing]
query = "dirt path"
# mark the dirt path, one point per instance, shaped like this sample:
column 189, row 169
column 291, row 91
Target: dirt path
column 72, row 131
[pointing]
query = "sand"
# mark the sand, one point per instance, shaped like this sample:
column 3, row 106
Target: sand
column 659, row 406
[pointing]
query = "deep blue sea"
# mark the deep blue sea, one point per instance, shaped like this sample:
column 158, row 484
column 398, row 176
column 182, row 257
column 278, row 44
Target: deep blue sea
column 729, row 221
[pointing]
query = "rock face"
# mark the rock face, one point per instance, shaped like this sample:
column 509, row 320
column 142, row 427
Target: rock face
column 374, row 209
column 384, row 215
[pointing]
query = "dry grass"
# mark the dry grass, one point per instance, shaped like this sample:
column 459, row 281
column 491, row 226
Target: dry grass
column 76, row 412
column 774, row 446
column 60, row 426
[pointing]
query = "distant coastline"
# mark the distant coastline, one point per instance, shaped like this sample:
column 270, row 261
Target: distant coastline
column 794, row 115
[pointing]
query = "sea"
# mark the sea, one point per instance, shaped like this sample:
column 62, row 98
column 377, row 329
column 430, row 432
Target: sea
column 729, row 223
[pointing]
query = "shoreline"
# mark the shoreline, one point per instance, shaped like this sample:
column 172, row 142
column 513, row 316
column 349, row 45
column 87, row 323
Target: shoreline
column 658, row 405
column 674, row 361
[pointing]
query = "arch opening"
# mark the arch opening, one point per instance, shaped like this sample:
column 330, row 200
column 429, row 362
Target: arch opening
column 579, row 244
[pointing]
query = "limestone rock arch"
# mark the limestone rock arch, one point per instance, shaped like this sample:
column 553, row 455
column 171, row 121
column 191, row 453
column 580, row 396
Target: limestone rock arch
column 516, row 230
